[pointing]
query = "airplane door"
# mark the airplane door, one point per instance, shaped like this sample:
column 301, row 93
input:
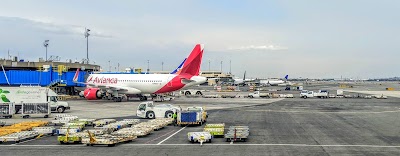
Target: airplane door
column 170, row 81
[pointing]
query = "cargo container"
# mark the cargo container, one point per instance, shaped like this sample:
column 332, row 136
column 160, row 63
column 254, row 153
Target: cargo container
column 192, row 116
column 7, row 110
column 35, row 109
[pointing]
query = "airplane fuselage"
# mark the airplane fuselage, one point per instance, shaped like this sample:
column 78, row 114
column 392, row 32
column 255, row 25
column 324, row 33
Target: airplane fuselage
column 144, row 83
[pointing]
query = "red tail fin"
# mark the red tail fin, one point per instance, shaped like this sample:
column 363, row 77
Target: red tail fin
column 76, row 76
column 193, row 61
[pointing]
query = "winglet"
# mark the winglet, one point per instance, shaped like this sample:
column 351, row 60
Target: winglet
column 76, row 76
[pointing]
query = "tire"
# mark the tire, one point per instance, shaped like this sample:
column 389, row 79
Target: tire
column 199, row 93
column 209, row 141
column 60, row 109
column 168, row 114
column 305, row 97
column 251, row 96
column 111, row 145
column 187, row 93
column 150, row 115
column 46, row 116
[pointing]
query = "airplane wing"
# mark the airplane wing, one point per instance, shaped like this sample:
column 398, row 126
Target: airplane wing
column 127, row 90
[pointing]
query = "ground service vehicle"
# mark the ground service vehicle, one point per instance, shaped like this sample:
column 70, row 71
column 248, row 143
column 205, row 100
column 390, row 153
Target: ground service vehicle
column 309, row 94
column 199, row 137
column 36, row 94
column 192, row 116
column 149, row 110
column 190, row 92
column 258, row 94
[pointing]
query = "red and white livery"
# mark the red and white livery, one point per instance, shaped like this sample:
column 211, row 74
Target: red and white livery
column 138, row 84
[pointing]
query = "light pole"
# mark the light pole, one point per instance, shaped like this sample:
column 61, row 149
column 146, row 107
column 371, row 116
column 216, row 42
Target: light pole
column 148, row 67
column 230, row 66
column 109, row 66
column 46, row 44
column 87, row 44
column 221, row 66
column 209, row 62
column 162, row 66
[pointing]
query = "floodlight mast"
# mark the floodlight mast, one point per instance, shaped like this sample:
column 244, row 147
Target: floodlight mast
column 46, row 44
column 87, row 44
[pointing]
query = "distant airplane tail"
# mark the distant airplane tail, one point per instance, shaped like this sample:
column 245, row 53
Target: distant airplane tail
column 244, row 76
column 286, row 77
column 192, row 64
column 177, row 70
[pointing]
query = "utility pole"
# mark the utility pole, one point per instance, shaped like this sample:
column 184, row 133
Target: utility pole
column 87, row 44
column 162, row 66
column 118, row 68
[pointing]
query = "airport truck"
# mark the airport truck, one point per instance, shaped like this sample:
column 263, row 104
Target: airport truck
column 32, row 94
column 149, row 110
column 309, row 94
column 258, row 94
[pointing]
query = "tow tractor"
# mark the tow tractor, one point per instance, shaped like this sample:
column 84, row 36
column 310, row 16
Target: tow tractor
column 151, row 111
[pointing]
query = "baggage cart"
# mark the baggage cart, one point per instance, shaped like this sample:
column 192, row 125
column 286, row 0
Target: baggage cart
column 75, row 124
column 19, row 136
column 45, row 130
column 88, row 122
column 132, row 121
column 109, row 140
column 36, row 109
column 237, row 133
column 70, row 130
column 216, row 125
column 103, row 122
column 215, row 131
column 7, row 110
column 200, row 137
column 97, row 131
column 106, row 130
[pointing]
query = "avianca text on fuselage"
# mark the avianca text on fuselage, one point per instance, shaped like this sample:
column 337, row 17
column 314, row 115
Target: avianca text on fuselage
column 102, row 80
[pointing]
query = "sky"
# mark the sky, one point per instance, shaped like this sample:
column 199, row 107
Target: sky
column 267, row 39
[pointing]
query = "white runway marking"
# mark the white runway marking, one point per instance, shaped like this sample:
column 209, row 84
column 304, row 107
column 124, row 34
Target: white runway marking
column 294, row 145
column 344, row 112
column 171, row 135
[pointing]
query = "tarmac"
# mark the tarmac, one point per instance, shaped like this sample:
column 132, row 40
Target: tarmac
column 335, row 126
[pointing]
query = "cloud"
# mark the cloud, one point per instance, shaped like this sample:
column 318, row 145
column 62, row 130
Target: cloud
column 52, row 27
column 262, row 47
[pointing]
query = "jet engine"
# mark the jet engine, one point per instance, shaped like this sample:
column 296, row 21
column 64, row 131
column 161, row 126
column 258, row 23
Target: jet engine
column 93, row 93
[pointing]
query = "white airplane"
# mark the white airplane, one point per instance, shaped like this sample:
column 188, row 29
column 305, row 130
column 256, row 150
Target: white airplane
column 276, row 82
column 139, row 84
column 238, row 81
